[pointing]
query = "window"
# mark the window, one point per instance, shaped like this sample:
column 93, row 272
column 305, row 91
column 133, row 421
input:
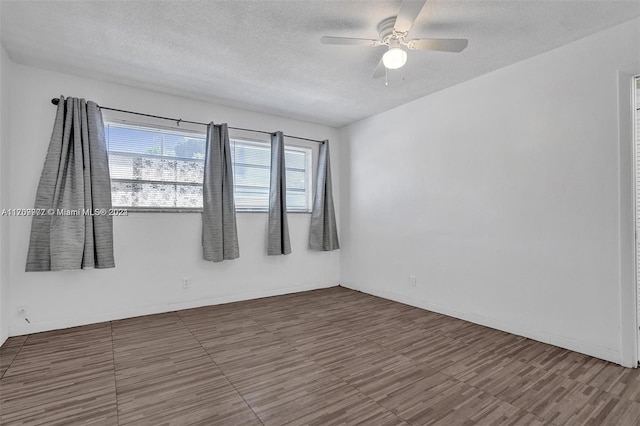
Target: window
column 159, row 169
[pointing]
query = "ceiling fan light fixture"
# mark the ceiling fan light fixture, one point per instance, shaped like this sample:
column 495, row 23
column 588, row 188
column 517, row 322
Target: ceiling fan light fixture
column 394, row 58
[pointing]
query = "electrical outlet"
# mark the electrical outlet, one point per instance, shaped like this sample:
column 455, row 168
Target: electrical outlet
column 21, row 311
column 186, row 283
column 412, row 280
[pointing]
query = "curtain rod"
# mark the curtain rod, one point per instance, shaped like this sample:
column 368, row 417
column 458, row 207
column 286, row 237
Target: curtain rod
column 55, row 101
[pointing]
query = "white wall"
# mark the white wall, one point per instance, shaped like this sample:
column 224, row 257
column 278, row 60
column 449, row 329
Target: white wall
column 154, row 251
column 5, row 65
column 501, row 195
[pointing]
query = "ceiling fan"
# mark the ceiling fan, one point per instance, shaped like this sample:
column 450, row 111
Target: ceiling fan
column 393, row 34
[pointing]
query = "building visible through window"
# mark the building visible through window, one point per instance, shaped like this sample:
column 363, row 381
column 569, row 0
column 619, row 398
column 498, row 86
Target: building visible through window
column 159, row 169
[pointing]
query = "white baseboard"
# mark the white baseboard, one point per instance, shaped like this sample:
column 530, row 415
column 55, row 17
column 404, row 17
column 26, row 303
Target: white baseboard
column 606, row 354
column 57, row 324
column 539, row 335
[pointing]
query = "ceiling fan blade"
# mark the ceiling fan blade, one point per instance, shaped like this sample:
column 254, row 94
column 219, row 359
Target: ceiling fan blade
column 409, row 11
column 349, row 41
column 438, row 44
column 380, row 70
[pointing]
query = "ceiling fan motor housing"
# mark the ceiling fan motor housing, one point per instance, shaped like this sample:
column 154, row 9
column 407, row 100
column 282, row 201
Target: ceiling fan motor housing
column 388, row 34
column 385, row 27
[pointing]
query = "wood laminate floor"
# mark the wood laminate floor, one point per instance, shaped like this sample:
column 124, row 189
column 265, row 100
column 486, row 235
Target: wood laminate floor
column 331, row 356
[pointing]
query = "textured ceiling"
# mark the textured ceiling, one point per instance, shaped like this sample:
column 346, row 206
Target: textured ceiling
column 267, row 56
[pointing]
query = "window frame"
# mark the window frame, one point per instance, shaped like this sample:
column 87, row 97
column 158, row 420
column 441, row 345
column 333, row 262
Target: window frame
column 310, row 171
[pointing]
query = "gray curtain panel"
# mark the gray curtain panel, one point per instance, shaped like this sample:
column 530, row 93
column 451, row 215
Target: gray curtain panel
column 219, row 229
column 75, row 179
column 278, row 235
column 323, row 234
